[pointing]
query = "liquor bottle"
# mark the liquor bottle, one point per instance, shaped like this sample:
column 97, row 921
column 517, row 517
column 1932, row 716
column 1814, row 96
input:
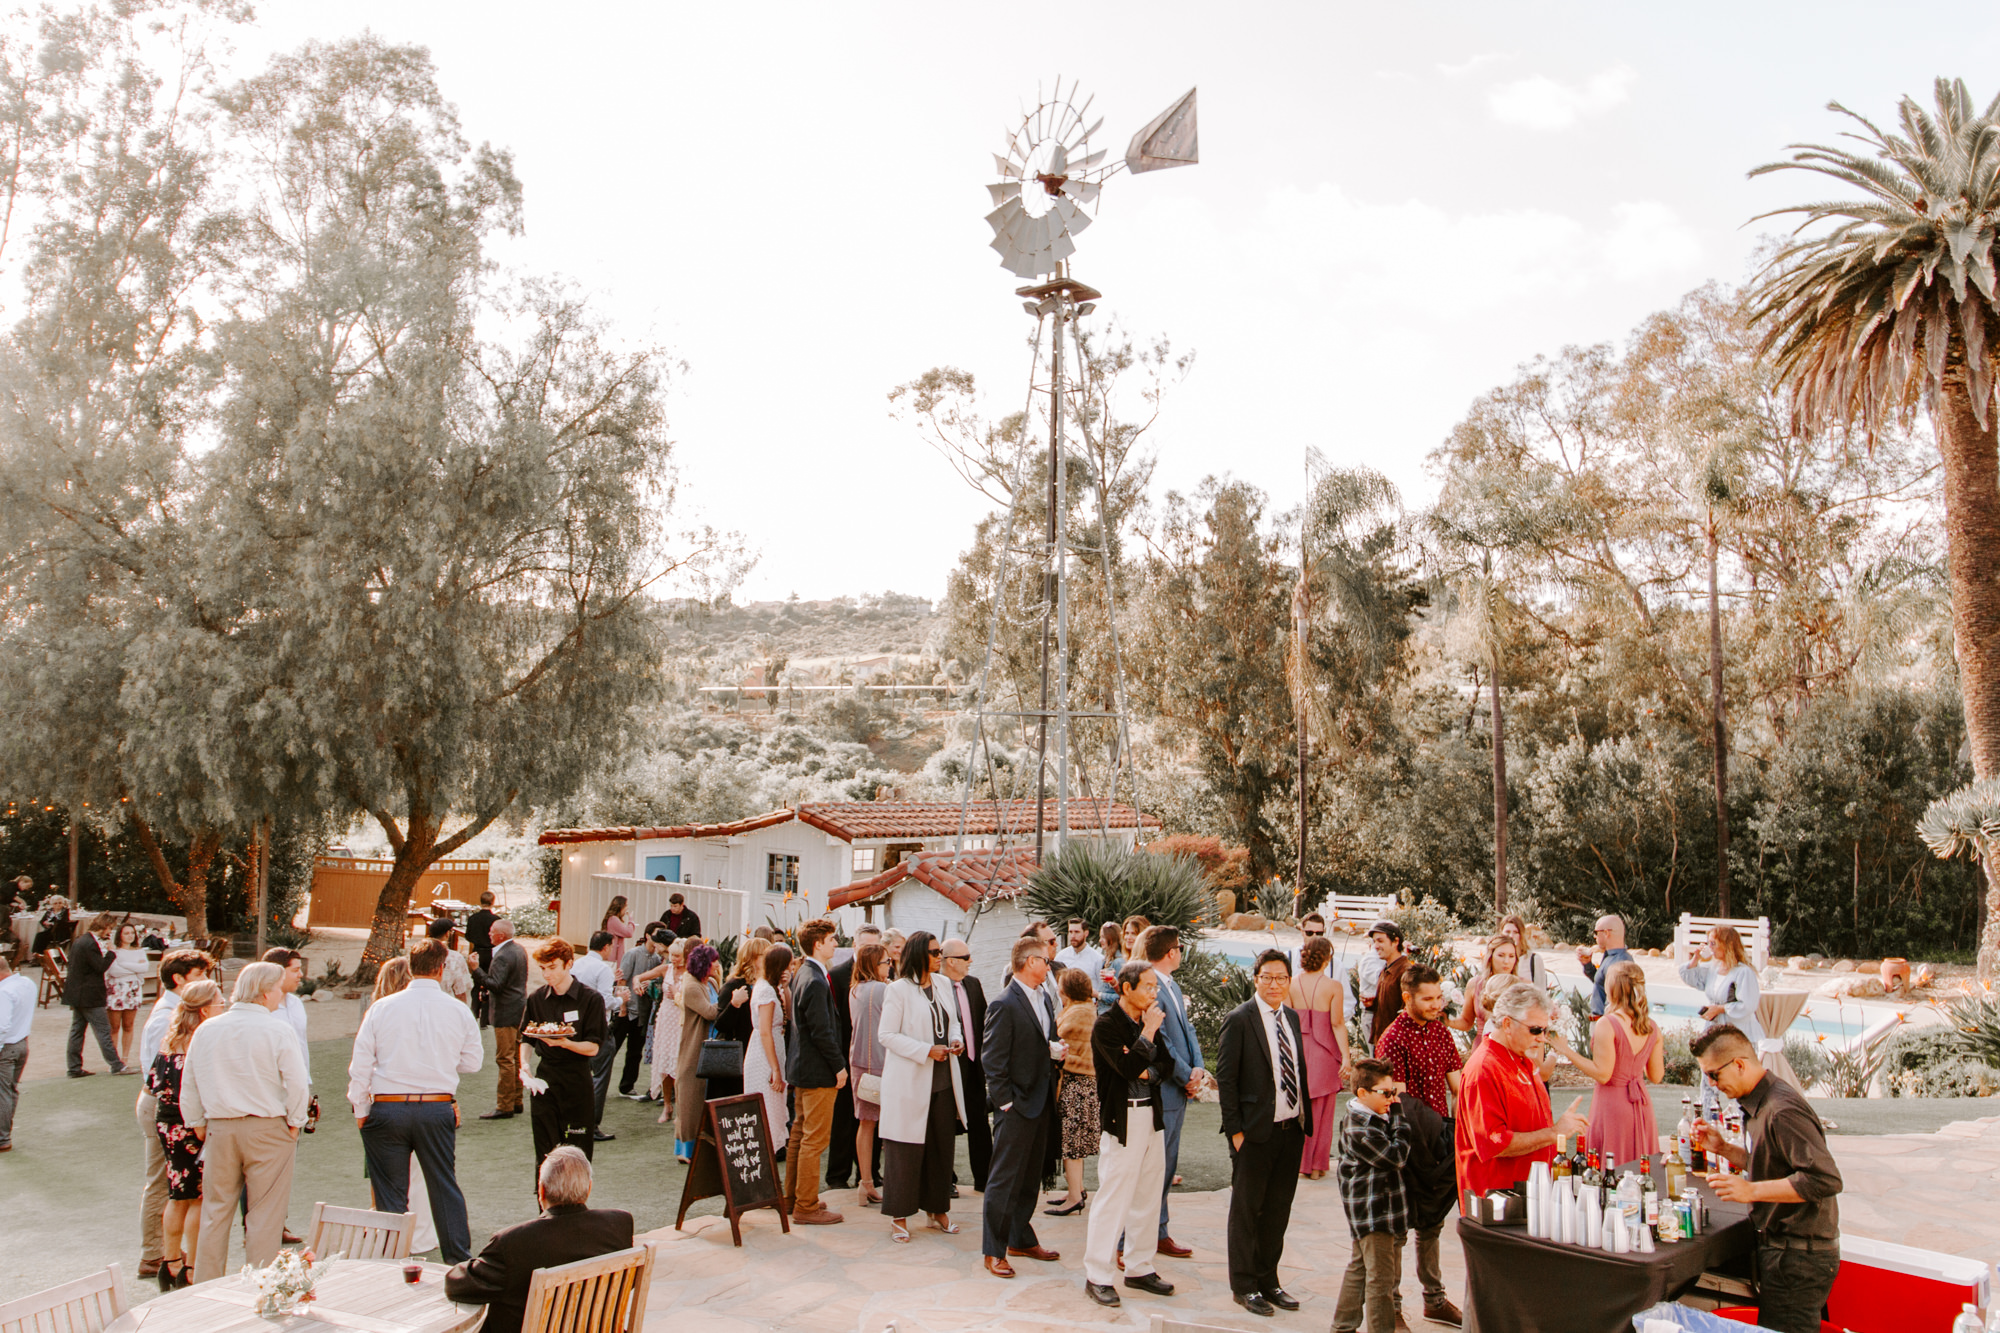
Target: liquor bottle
column 1698, row 1156
column 1560, row 1167
column 1684, row 1132
column 1649, row 1202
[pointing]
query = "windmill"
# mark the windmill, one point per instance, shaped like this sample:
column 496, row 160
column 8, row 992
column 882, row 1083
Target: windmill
column 1051, row 180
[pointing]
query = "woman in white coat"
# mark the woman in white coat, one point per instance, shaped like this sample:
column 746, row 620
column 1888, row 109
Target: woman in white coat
column 922, row 1102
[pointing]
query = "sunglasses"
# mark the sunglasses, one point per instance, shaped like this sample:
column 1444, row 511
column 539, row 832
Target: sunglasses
column 936, row 952
column 1314, row 934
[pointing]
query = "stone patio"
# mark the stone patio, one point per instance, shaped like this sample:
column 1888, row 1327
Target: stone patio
column 1937, row 1191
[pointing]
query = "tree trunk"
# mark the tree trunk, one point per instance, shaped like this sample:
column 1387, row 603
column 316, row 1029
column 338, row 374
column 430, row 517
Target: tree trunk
column 1499, row 791
column 416, row 849
column 1301, row 614
column 190, row 894
column 1972, row 530
column 1718, row 718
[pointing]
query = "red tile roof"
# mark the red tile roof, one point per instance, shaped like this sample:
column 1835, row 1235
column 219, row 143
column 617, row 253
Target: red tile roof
column 963, row 877
column 849, row 820
column 628, row 833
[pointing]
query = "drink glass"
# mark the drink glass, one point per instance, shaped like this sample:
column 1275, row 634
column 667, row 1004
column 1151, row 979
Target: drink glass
column 413, row 1273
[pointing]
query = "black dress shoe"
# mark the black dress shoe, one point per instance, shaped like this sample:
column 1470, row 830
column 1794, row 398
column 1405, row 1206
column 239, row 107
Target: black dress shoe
column 1100, row 1293
column 499, row 1115
column 1281, row 1298
column 1152, row 1282
column 81, row 1073
column 599, row 1136
column 1255, row 1303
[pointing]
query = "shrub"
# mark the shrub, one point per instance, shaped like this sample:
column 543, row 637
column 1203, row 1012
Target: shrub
column 1099, row 883
column 1681, row 1066
column 1931, row 1062
column 1808, row 1059
column 537, row 922
column 1572, row 1011
column 1975, row 1020
column 1213, row 985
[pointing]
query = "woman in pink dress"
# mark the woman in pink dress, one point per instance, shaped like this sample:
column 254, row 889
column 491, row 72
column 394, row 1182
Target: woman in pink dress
column 618, row 921
column 1322, row 1009
column 1629, row 1055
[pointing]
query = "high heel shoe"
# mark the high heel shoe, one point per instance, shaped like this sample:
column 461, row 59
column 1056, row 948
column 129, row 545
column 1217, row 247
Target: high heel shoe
column 942, row 1222
column 899, row 1231
column 869, row 1194
column 1069, row 1210
column 168, row 1279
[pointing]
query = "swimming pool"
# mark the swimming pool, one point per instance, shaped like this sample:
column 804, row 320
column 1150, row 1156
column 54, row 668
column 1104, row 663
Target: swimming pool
column 1838, row 1022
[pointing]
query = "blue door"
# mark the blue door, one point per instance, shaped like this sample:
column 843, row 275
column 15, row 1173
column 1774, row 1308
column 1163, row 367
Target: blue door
column 664, row 867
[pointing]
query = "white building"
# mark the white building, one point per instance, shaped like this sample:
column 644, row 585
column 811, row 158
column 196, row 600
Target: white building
column 794, row 864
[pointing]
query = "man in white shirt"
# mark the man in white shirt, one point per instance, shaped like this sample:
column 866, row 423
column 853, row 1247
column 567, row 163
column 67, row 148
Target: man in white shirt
column 403, row 1085
column 244, row 1094
column 17, row 1016
column 177, row 969
column 595, row 969
column 294, row 1012
column 1080, row 952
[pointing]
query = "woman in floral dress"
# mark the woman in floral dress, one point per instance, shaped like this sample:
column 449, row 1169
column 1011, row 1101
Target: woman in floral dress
column 125, row 986
column 667, row 1030
column 181, row 1222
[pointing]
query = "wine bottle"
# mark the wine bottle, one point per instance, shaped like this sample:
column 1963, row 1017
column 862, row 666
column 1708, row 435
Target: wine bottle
column 1560, row 1167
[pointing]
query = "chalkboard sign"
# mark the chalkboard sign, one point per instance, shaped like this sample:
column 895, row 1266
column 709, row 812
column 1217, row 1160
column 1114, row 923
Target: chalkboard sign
column 733, row 1158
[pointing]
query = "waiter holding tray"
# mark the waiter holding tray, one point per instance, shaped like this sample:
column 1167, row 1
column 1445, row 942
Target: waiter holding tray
column 566, row 1020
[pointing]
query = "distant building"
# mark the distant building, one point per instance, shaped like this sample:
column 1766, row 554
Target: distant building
column 886, row 861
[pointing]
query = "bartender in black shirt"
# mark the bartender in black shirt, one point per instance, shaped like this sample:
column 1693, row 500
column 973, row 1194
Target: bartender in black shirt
column 567, row 1112
column 1791, row 1182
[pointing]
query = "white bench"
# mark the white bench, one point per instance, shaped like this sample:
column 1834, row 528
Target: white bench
column 1355, row 907
column 1692, row 933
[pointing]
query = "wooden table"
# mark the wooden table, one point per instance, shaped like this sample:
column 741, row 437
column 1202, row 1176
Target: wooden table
column 365, row 1295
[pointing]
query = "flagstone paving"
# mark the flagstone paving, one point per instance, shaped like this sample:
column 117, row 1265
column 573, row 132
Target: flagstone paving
column 1936, row 1191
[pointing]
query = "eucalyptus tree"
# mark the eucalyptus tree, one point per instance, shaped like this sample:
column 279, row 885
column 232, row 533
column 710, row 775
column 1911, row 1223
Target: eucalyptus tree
column 438, row 513
column 106, row 373
column 1347, row 534
column 1892, row 306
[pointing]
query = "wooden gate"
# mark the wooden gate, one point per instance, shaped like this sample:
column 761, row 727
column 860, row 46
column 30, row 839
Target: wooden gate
column 345, row 888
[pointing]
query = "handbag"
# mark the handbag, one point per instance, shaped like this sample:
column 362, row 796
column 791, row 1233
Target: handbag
column 869, row 1088
column 720, row 1058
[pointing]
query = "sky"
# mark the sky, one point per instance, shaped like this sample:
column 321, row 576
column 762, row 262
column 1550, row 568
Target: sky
column 1396, row 206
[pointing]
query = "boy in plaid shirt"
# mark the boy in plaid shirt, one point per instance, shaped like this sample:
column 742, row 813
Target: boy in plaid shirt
column 1374, row 1148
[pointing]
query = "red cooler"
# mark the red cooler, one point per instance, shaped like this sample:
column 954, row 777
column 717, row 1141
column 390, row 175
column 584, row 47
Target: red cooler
column 1888, row 1288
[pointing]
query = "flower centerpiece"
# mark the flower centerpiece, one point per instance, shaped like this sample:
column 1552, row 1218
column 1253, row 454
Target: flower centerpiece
column 287, row 1282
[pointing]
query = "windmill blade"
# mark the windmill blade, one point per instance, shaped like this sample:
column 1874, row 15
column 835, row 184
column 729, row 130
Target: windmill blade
column 1004, row 191
column 1083, row 164
column 1005, row 166
column 1168, row 139
column 1061, row 248
column 1085, row 136
column 1084, row 192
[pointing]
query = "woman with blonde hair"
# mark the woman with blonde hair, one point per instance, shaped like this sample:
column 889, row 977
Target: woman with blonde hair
column 180, row 1223
column 1626, row 1054
column 1728, row 981
column 733, row 1024
column 1530, row 968
column 1503, row 959
column 764, row 1058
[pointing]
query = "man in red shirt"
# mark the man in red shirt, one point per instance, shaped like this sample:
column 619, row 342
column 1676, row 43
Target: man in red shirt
column 1503, row 1110
column 1421, row 1052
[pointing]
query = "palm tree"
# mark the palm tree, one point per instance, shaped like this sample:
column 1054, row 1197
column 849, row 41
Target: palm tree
column 1348, row 519
column 1893, row 306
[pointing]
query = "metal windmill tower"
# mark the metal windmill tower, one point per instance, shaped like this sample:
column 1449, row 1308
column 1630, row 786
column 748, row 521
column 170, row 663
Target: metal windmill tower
column 1050, row 182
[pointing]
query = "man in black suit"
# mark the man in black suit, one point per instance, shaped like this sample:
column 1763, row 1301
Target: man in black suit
column 816, row 1067
column 840, row 1153
column 479, row 933
column 84, row 993
column 1020, row 1049
column 970, row 997
column 567, row 1232
column 1267, row 1114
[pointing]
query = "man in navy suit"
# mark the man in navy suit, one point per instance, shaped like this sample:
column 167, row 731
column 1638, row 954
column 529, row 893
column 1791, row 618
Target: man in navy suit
column 1162, row 947
column 1020, row 1048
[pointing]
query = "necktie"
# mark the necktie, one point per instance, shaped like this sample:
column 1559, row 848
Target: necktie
column 1288, row 1070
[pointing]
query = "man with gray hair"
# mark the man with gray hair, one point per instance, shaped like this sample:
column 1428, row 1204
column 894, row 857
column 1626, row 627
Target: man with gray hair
column 1504, row 1120
column 506, row 982
column 244, row 1094
column 567, row 1232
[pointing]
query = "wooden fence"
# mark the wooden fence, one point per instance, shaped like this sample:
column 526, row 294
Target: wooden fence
column 345, row 888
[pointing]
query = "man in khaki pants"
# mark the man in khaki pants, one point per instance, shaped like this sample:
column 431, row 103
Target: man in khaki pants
column 177, row 969
column 244, row 1093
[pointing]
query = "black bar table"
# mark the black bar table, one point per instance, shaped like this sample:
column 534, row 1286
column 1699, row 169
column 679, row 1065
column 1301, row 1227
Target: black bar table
column 1517, row 1284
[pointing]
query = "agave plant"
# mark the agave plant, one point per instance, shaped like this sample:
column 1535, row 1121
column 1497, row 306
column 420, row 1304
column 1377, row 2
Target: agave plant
column 1107, row 883
column 1975, row 1019
column 1893, row 306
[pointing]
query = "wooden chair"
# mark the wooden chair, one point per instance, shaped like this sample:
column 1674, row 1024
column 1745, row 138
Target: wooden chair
column 83, row 1306
column 359, row 1233
column 1357, row 907
column 1692, row 932
column 55, row 967
column 602, row 1295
